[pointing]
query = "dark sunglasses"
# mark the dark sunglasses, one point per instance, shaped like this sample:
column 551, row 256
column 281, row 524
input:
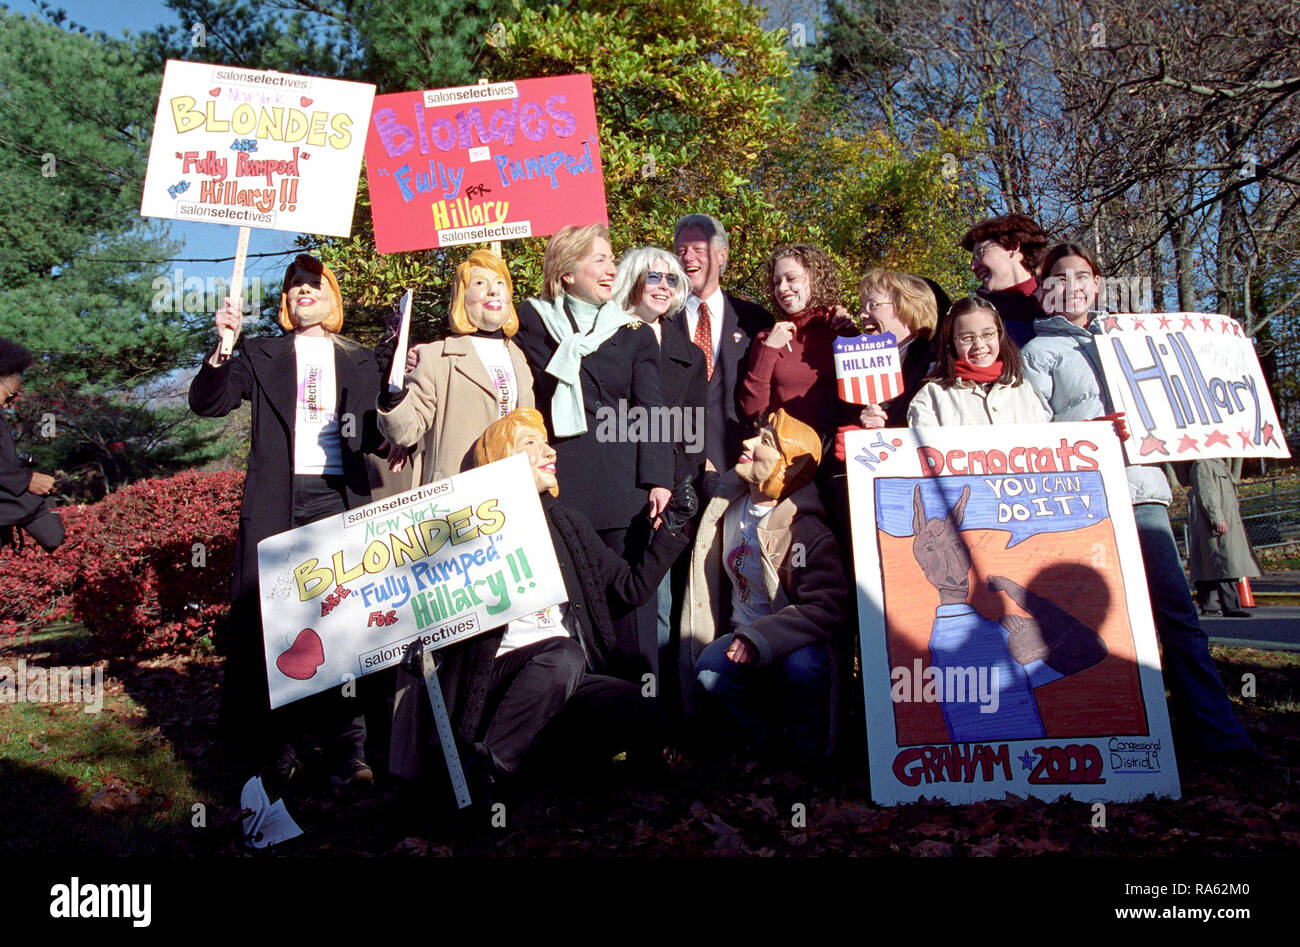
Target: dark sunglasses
column 654, row 278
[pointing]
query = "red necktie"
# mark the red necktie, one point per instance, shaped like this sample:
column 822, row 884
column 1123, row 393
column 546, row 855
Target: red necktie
column 704, row 337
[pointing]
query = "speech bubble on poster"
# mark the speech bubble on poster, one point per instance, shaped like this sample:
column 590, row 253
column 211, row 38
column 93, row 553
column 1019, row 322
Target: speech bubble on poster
column 472, row 164
column 1004, row 654
column 1191, row 386
column 867, row 368
column 344, row 596
column 254, row 148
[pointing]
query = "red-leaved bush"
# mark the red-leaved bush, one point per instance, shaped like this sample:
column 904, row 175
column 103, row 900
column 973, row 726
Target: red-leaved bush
column 36, row 586
column 148, row 567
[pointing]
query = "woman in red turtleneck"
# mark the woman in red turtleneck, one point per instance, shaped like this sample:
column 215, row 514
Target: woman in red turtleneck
column 791, row 366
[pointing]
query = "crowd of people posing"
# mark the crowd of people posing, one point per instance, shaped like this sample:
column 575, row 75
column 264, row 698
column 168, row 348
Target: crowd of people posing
column 707, row 579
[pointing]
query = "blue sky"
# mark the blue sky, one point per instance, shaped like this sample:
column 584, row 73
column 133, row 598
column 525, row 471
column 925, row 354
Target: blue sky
column 206, row 241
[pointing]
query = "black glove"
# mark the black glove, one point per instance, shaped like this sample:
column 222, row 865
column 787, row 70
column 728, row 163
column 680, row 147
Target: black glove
column 681, row 508
column 388, row 399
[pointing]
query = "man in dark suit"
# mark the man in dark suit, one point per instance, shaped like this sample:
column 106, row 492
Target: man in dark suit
column 722, row 326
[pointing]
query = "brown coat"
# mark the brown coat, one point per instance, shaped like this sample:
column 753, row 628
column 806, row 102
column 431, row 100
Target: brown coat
column 449, row 402
column 799, row 555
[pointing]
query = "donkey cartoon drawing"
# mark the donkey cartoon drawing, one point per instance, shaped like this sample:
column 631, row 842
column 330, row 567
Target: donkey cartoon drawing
column 1017, row 656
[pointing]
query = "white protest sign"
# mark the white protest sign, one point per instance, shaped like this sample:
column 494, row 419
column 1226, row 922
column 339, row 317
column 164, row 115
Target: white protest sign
column 1191, row 387
column 256, row 149
column 342, row 597
column 1007, row 640
column 867, row 368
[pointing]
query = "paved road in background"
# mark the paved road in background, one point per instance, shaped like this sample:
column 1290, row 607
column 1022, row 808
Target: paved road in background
column 1269, row 626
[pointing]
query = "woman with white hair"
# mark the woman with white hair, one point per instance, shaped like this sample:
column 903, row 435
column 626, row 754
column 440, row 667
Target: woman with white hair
column 652, row 286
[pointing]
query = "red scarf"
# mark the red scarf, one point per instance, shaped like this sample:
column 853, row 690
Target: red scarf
column 968, row 372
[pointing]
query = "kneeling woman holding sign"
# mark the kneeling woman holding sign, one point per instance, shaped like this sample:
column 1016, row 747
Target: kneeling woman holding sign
column 502, row 687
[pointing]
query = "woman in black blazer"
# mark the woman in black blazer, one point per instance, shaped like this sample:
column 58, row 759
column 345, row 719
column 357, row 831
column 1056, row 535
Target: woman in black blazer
column 652, row 287
column 305, row 463
column 595, row 371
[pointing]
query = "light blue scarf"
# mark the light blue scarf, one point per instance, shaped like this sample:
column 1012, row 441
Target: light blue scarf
column 568, row 412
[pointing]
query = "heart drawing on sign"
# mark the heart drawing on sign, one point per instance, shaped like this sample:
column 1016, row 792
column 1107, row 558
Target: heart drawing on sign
column 215, row 92
column 303, row 658
column 304, row 101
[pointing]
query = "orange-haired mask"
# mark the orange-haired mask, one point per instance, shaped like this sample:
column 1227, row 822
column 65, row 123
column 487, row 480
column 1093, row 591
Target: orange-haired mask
column 522, row 431
column 782, row 457
column 482, row 296
column 310, row 296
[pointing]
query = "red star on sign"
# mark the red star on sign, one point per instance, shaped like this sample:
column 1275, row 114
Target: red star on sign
column 1109, row 324
column 1207, row 322
column 1151, row 444
column 1187, row 443
column 1137, row 324
column 1268, row 433
column 1218, row 437
column 1187, row 322
column 1164, row 322
column 1236, row 329
column 1245, row 438
column 1227, row 326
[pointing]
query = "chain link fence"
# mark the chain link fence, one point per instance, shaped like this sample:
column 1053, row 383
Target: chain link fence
column 1270, row 511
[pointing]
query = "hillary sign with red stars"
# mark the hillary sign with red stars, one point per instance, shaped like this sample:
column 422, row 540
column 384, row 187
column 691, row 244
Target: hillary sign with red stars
column 1191, row 386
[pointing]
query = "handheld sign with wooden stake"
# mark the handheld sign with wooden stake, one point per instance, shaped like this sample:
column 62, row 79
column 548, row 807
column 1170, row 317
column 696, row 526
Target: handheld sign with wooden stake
column 867, row 368
column 255, row 148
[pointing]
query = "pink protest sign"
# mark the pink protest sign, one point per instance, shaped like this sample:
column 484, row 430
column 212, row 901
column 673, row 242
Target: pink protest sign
column 484, row 162
column 867, row 368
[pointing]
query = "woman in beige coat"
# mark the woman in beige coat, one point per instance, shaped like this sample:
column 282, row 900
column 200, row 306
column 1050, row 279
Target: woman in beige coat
column 464, row 382
column 1219, row 553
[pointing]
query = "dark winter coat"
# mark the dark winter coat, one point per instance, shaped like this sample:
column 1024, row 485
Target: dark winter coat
column 265, row 373
column 685, row 381
column 609, row 480
column 18, row 504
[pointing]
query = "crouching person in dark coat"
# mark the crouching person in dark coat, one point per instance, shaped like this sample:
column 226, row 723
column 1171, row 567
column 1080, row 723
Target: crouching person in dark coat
column 563, row 664
column 761, row 628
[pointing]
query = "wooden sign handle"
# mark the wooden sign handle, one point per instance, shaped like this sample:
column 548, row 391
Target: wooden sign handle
column 236, row 287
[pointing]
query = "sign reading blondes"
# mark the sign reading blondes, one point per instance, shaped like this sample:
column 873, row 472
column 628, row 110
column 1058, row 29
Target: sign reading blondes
column 344, row 596
column 256, row 149
column 486, row 162
column 1007, row 641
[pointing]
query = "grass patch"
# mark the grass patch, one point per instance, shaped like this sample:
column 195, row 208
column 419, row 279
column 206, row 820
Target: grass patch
column 105, row 782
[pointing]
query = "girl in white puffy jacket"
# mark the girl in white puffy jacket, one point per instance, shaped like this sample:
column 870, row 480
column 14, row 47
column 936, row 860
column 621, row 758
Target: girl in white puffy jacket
column 977, row 378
